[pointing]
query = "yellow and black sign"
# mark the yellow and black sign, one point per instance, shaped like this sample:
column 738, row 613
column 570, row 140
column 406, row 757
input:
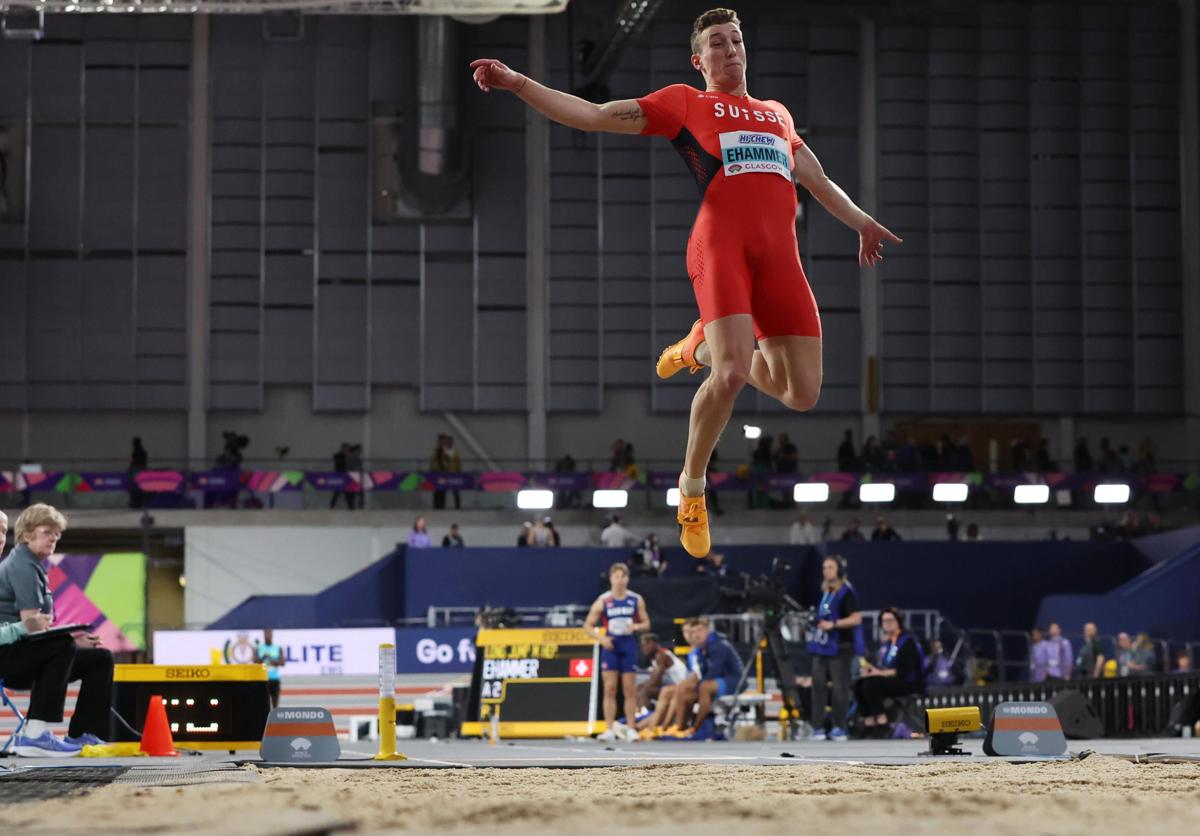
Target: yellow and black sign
column 208, row 706
column 534, row 683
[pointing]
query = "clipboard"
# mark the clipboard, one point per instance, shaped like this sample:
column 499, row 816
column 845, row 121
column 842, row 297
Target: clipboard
column 63, row 630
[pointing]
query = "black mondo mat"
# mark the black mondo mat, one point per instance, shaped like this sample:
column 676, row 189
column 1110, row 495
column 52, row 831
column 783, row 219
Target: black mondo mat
column 56, row 782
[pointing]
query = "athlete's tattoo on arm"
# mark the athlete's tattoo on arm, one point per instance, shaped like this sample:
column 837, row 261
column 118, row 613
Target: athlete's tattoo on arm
column 629, row 114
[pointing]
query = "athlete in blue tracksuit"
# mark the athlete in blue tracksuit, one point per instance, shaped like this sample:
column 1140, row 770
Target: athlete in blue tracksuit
column 716, row 672
column 622, row 613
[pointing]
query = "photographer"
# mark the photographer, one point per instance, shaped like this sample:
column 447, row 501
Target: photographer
column 833, row 644
column 899, row 673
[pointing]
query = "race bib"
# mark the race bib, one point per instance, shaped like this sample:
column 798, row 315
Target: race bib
column 620, row 627
column 753, row 152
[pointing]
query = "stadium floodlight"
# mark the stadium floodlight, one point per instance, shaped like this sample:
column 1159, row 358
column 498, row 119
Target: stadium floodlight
column 673, row 497
column 1031, row 494
column 876, row 492
column 810, row 492
column 752, row 432
column 610, row 498
column 535, row 500
column 950, row 492
column 1111, row 494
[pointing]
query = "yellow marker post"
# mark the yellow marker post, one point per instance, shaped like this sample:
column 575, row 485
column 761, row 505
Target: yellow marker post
column 387, row 705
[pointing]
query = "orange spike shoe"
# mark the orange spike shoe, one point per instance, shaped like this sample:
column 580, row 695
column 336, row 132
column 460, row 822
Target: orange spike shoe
column 682, row 355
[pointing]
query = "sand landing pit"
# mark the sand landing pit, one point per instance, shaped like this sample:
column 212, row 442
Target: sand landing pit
column 1096, row 795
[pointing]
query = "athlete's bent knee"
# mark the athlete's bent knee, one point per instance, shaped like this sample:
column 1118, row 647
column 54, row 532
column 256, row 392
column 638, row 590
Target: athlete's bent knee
column 801, row 398
column 729, row 380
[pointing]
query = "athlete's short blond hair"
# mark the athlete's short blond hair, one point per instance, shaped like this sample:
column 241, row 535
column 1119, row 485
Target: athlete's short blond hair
column 34, row 516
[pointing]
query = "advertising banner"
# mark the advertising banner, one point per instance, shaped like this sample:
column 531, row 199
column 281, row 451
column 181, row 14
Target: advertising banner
column 349, row 652
column 435, row 650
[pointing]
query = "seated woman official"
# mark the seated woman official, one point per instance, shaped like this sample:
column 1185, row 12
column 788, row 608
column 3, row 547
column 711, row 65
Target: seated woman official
column 898, row 674
column 24, row 596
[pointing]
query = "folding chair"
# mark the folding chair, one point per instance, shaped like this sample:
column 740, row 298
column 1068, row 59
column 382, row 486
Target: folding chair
column 4, row 750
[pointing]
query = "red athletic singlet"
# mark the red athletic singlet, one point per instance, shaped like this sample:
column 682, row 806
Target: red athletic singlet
column 742, row 255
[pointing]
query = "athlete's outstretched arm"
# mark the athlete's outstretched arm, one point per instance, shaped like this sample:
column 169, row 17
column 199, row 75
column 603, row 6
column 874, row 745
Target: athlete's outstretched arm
column 871, row 234
column 619, row 117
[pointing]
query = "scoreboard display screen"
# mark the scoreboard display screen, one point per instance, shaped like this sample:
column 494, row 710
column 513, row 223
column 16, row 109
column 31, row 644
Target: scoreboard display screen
column 207, row 706
column 540, row 682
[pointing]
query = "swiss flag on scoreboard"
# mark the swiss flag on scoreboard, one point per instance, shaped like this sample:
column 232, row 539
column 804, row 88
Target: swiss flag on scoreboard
column 580, row 668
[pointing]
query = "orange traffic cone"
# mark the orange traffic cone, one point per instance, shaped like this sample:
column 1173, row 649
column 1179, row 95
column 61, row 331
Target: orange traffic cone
column 156, row 735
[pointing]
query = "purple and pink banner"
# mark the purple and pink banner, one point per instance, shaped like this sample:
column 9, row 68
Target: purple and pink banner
column 280, row 481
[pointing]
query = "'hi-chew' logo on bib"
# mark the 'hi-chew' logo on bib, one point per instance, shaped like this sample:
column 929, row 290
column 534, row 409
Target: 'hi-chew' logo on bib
column 750, row 152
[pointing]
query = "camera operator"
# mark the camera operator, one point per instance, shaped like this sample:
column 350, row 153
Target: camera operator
column 901, row 663
column 833, row 644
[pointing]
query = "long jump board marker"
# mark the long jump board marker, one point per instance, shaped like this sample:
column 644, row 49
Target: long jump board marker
column 1028, row 730
column 300, row 734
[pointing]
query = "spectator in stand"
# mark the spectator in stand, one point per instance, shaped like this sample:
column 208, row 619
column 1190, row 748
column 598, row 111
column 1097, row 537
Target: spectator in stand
column 631, row 468
column 964, row 457
column 354, row 465
column 1124, row 654
column 1130, row 525
column 541, row 537
column 803, row 532
column 554, row 539
column 647, row 560
column 939, row 669
column 907, row 457
column 898, row 674
column 872, row 455
column 943, row 454
column 1058, row 654
column 973, row 535
column 1124, row 465
column 846, row 459
column 339, row 466
column 1146, row 461
column 1019, row 453
column 1183, row 662
column 139, row 460
column 1090, row 661
column 1141, row 662
column 884, row 531
column 622, row 457
column 524, row 536
column 852, row 534
column 616, row 536
column 1042, row 461
column 419, row 537
column 446, row 460
column 453, row 539
column 1038, row 666
column 761, row 464
column 1153, row 524
column 787, row 457
column 1107, row 458
column 1083, row 457
column 568, row 498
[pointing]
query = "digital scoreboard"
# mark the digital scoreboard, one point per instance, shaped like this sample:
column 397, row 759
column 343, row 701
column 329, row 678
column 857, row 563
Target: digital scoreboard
column 540, row 682
column 208, row 706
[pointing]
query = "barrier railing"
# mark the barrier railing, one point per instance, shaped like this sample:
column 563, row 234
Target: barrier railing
column 233, row 480
column 1128, row 707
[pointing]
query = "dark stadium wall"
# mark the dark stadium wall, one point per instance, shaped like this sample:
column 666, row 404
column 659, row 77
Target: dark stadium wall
column 1163, row 601
column 986, row 585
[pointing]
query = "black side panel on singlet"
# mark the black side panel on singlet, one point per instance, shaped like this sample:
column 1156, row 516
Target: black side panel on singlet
column 702, row 164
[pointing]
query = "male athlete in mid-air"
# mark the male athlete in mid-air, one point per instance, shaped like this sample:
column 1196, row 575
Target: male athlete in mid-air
column 623, row 613
column 742, row 256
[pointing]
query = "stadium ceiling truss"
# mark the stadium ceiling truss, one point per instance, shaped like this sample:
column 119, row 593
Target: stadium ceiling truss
column 466, row 9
